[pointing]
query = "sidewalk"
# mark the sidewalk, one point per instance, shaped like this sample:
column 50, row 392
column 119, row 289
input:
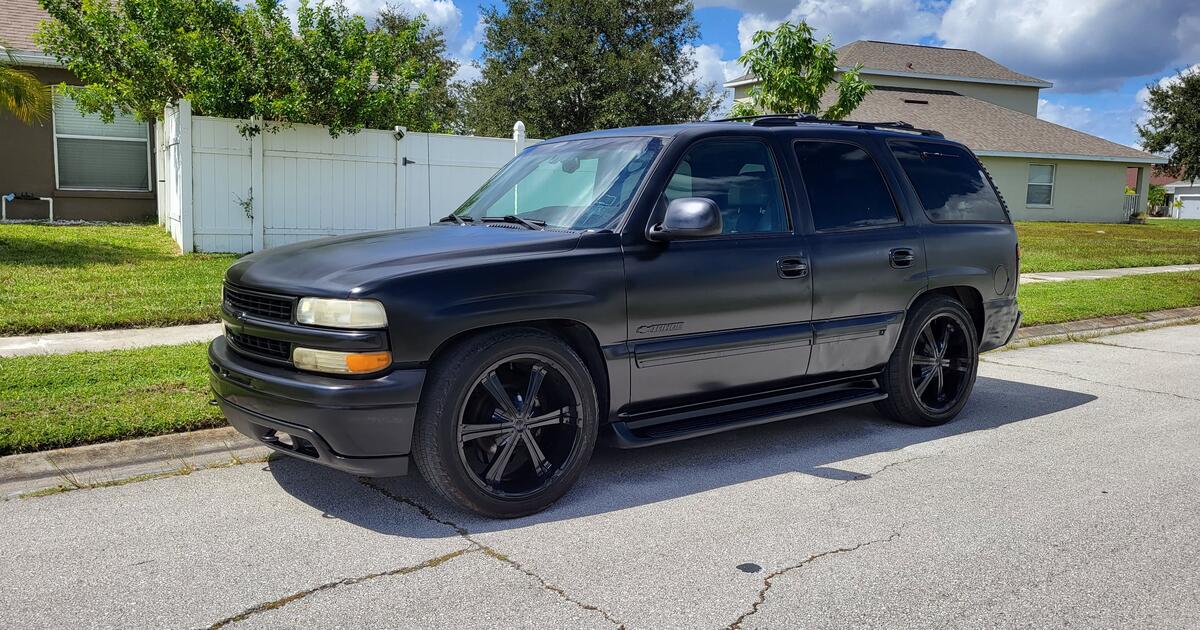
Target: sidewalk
column 98, row 340
column 1098, row 274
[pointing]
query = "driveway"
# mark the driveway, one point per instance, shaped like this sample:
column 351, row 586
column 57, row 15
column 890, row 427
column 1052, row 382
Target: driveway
column 1067, row 494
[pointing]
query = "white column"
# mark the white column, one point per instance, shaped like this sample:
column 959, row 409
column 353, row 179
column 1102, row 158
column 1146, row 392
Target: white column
column 184, row 125
column 518, row 137
column 257, row 189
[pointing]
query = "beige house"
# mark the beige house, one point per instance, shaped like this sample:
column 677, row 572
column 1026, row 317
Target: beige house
column 1046, row 172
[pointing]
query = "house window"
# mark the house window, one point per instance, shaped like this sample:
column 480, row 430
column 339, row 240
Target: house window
column 93, row 155
column 1039, row 192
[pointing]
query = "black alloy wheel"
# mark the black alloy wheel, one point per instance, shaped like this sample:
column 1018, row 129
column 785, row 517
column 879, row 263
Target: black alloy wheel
column 932, row 370
column 519, row 427
column 507, row 422
column 942, row 360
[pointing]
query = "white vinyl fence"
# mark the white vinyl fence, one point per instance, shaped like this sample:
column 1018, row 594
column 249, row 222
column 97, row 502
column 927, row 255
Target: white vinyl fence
column 221, row 192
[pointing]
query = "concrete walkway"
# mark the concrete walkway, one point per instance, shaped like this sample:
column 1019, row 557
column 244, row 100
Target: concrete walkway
column 1097, row 274
column 98, row 340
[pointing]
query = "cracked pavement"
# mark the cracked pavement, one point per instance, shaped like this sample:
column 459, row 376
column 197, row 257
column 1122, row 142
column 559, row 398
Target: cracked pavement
column 1067, row 494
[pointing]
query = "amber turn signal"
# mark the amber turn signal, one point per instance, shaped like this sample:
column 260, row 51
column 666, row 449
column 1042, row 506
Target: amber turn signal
column 340, row 362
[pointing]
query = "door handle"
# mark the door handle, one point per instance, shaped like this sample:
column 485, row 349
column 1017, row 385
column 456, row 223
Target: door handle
column 901, row 257
column 792, row 267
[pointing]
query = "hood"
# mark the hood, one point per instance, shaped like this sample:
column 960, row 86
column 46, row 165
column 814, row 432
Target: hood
column 341, row 265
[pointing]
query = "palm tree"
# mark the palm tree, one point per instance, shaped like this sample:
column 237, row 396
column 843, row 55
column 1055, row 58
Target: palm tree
column 22, row 95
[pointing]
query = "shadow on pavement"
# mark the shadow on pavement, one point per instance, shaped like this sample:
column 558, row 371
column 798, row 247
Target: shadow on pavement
column 618, row 479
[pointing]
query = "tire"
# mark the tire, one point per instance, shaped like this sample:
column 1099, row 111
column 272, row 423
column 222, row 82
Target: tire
column 465, row 432
column 913, row 369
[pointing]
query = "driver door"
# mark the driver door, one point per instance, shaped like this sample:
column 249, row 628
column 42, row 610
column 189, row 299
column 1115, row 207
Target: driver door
column 712, row 316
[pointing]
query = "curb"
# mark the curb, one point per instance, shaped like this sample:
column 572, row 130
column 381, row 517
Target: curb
column 84, row 466
column 1101, row 326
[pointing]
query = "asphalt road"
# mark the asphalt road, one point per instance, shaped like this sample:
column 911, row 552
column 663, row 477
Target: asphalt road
column 1066, row 495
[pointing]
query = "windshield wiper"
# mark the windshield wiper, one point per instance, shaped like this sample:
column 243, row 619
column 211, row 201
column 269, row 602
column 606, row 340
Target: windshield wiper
column 533, row 224
column 457, row 219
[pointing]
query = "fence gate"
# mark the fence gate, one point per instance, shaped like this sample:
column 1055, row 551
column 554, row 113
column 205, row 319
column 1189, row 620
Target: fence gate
column 223, row 192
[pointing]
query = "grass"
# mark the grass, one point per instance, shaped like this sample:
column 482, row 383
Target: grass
column 61, row 278
column 1073, row 246
column 56, row 401
column 1056, row 302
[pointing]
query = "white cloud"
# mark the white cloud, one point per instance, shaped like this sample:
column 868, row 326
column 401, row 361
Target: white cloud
column 846, row 21
column 1081, row 46
column 1143, row 95
column 467, row 48
column 443, row 14
column 466, row 72
column 712, row 69
column 1073, row 116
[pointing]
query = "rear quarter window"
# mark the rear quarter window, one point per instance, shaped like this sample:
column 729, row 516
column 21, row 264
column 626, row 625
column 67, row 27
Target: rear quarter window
column 950, row 182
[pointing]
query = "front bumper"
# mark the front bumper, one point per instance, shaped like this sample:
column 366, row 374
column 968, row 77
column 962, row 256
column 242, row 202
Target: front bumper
column 361, row 426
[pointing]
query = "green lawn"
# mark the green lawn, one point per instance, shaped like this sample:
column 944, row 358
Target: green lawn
column 58, row 278
column 51, row 402
column 66, row 400
column 1055, row 302
column 1071, row 246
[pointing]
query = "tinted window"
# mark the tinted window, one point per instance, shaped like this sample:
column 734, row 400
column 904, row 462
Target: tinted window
column 949, row 181
column 740, row 177
column 845, row 187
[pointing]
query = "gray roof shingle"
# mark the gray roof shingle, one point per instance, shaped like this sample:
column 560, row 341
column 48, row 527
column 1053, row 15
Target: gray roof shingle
column 985, row 127
column 916, row 59
column 19, row 22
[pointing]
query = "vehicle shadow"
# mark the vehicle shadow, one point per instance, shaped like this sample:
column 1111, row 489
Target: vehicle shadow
column 619, row 479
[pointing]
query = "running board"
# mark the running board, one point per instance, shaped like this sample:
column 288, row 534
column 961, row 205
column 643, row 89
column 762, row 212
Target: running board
column 625, row 436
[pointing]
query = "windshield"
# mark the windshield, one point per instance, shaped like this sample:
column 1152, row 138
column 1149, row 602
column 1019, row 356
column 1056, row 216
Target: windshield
column 574, row 185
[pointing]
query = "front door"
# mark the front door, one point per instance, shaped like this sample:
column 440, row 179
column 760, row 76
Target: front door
column 708, row 317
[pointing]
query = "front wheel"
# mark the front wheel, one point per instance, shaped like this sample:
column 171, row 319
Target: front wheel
column 932, row 370
column 507, row 423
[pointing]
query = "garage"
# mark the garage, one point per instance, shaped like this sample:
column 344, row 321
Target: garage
column 1190, row 208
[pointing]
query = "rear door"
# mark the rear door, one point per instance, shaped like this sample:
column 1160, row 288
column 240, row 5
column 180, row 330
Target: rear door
column 868, row 260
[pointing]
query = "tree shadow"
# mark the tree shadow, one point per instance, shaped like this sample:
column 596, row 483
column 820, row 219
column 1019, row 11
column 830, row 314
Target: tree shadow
column 619, row 479
column 16, row 250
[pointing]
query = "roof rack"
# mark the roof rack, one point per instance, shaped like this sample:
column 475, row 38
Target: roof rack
column 781, row 120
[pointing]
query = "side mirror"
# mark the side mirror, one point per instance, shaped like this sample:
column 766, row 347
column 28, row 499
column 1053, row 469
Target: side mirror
column 686, row 218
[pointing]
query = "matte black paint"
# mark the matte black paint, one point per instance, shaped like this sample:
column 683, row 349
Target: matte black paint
column 701, row 322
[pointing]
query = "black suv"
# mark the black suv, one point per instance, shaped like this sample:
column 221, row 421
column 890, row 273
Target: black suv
column 639, row 286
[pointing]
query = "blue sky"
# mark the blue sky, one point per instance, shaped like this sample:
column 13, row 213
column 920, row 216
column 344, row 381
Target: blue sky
column 1100, row 54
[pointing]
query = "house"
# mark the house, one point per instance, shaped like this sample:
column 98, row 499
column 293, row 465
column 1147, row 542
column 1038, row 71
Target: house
column 1187, row 194
column 91, row 170
column 1046, row 172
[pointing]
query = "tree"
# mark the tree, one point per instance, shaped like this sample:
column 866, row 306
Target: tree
column 23, row 96
column 1156, row 196
column 794, row 72
column 331, row 69
column 568, row 66
column 1173, row 126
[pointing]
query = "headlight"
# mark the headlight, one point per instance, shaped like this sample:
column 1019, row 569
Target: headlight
column 341, row 313
column 340, row 362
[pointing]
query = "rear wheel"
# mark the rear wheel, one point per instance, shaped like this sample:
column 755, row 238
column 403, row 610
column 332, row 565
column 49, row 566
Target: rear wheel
column 507, row 423
column 932, row 370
